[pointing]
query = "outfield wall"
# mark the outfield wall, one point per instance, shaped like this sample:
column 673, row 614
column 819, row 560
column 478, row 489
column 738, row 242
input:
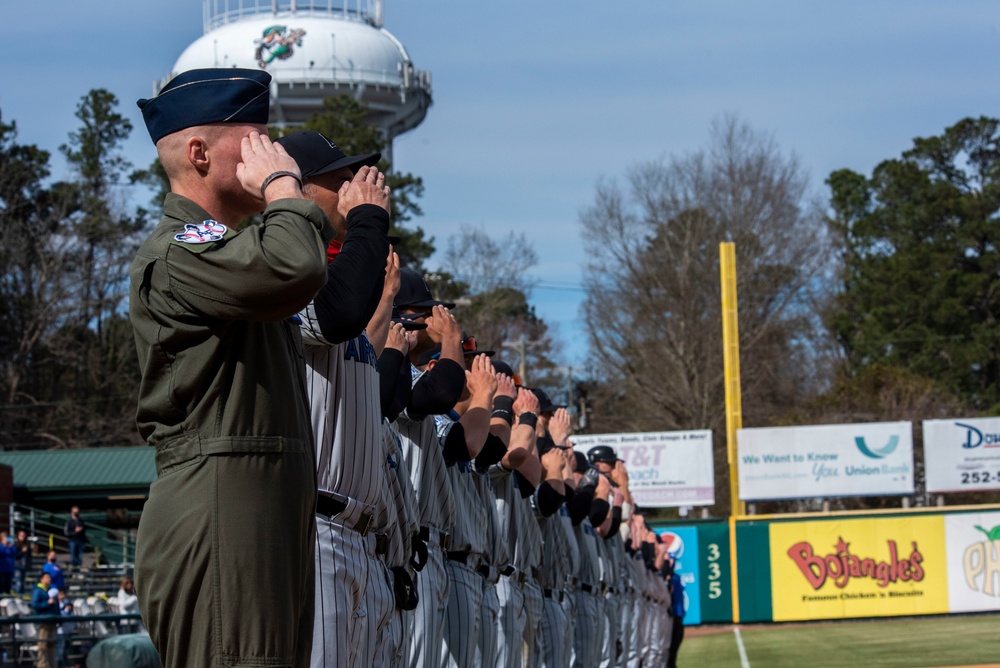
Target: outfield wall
column 842, row 567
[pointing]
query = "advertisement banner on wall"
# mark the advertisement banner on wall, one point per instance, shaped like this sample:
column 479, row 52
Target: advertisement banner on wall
column 962, row 455
column 875, row 458
column 973, row 541
column 682, row 545
column 858, row 568
column 666, row 468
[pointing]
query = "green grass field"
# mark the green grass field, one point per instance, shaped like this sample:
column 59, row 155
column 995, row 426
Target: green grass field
column 902, row 643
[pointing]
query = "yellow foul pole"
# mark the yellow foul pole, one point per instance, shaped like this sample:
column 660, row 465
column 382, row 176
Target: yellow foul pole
column 734, row 400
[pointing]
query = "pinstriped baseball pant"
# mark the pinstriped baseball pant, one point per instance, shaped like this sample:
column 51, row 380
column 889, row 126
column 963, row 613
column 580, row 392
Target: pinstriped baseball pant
column 513, row 618
column 533, row 611
column 427, row 628
column 637, row 628
column 588, row 623
column 462, row 617
column 344, row 629
column 553, row 642
column 489, row 623
column 610, row 607
column 381, row 602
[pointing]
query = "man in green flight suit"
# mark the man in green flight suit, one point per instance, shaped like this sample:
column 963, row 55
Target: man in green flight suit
column 224, row 563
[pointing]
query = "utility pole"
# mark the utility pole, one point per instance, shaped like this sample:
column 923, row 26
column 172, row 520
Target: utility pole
column 521, row 346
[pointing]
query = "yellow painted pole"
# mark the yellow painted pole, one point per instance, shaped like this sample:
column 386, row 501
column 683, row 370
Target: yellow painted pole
column 734, row 400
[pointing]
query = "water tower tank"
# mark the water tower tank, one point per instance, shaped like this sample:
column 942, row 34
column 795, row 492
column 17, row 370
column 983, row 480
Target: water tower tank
column 314, row 50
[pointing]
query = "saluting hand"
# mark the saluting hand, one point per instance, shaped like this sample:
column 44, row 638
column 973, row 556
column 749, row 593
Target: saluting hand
column 526, row 402
column 261, row 158
column 390, row 288
column 367, row 187
column 505, row 386
column 396, row 339
column 481, row 380
column 619, row 474
column 441, row 325
column 559, row 426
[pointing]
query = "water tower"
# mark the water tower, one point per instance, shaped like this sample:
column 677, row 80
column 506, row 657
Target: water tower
column 314, row 50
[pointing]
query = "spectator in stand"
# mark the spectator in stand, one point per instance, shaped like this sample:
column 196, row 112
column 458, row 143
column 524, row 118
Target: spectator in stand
column 44, row 602
column 22, row 561
column 54, row 570
column 128, row 603
column 76, row 532
column 66, row 629
column 7, row 554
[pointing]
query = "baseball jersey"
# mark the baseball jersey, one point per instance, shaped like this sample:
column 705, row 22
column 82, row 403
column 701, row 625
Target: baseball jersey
column 590, row 567
column 402, row 499
column 471, row 532
column 343, row 384
column 425, row 461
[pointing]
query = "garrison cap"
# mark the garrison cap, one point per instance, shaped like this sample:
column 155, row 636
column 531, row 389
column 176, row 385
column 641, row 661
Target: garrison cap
column 200, row 97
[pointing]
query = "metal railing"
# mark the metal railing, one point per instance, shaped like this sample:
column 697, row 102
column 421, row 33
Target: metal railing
column 217, row 13
column 46, row 531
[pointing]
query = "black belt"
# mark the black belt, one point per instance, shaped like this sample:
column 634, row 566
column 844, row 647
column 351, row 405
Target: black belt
column 443, row 539
column 460, row 556
column 587, row 588
column 553, row 593
column 508, row 570
column 381, row 544
column 330, row 508
column 488, row 572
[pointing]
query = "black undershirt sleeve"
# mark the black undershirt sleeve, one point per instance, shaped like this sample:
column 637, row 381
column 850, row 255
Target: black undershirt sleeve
column 355, row 277
column 579, row 505
column 393, row 387
column 455, row 448
column 437, row 391
column 523, row 486
column 493, row 451
column 599, row 512
column 548, row 499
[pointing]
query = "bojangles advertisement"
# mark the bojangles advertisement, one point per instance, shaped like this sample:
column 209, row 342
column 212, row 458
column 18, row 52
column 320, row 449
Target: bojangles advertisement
column 858, row 568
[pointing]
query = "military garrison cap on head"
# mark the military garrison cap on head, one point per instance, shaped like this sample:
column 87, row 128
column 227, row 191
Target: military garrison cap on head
column 200, row 97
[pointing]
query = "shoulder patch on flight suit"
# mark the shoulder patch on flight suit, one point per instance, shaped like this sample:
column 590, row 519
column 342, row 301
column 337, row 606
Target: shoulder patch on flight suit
column 199, row 237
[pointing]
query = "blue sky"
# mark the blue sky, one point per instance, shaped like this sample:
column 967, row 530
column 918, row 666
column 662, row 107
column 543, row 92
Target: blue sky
column 534, row 102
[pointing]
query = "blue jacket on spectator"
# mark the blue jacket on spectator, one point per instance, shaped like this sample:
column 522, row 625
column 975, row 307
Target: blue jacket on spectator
column 7, row 555
column 58, row 581
column 677, row 596
column 40, row 602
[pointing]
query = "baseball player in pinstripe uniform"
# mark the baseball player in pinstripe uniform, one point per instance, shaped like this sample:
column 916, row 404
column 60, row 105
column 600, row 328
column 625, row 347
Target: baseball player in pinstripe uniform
column 436, row 385
column 613, row 558
column 560, row 553
column 343, row 386
column 513, row 479
column 586, row 590
column 462, row 433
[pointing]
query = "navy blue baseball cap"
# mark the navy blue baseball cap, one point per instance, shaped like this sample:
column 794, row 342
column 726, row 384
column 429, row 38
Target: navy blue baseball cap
column 200, row 97
column 315, row 154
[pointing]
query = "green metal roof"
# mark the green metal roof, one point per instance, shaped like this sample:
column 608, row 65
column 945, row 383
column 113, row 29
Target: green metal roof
column 105, row 468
